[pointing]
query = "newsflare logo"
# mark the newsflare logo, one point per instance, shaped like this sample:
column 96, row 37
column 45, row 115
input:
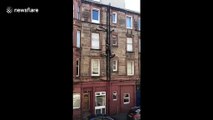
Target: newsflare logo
column 11, row 10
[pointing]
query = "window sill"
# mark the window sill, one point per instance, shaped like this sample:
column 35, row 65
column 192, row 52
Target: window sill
column 129, row 28
column 129, row 51
column 114, row 45
column 95, row 49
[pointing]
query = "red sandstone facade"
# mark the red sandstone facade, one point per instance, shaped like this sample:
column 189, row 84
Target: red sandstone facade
column 93, row 94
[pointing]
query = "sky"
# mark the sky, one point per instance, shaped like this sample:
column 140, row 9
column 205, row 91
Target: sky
column 133, row 5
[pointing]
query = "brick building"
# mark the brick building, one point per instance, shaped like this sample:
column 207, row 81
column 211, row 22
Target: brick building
column 92, row 93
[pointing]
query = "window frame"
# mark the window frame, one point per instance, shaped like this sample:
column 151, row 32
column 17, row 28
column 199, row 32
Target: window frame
column 124, row 94
column 116, row 39
column 78, row 43
column 77, row 66
column 92, row 47
column 79, row 98
column 116, row 65
column 116, row 94
column 99, row 67
column 139, row 45
column 78, row 13
column 92, row 20
column 132, row 63
column 139, row 24
column 130, row 21
column 129, row 38
column 114, row 13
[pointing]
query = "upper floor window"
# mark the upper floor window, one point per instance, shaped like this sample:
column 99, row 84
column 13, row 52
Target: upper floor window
column 114, row 65
column 95, row 15
column 129, row 22
column 130, row 67
column 78, row 45
column 95, row 41
column 77, row 68
column 139, row 24
column 139, row 45
column 95, row 67
column 114, row 40
column 129, row 45
column 114, row 17
column 78, row 13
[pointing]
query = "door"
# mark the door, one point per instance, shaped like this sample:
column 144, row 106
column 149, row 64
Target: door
column 86, row 102
column 100, row 102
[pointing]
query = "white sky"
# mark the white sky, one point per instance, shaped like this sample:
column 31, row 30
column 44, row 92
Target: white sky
column 133, row 5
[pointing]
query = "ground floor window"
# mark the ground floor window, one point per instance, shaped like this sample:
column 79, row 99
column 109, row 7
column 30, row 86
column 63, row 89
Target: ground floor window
column 114, row 96
column 126, row 97
column 100, row 102
column 76, row 100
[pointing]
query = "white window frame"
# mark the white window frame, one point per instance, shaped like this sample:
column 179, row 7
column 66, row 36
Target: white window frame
column 139, row 24
column 116, row 40
column 124, row 94
column 78, row 12
column 97, row 0
column 114, row 93
column 103, row 94
column 139, row 45
column 93, row 46
column 132, row 65
column 129, row 43
column 92, row 20
column 78, row 39
column 78, row 65
column 98, row 62
column 78, row 95
column 131, row 22
column 115, row 65
column 114, row 13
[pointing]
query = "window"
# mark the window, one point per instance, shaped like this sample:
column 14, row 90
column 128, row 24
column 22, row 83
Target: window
column 114, row 96
column 95, row 66
column 114, row 17
column 114, row 65
column 77, row 68
column 97, row 0
column 76, row 100
column 73, row 11
column 78, row 13
column 95, row 41
column 95, row 15
column 126, row 98
column 114, row 40
column 139, row 24
column 129, row 45
column 78, row 39
column 139, row 45
column 129, row 22
column 130, row 68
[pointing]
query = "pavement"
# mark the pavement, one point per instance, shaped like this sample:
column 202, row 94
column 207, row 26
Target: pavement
column 120, row 116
